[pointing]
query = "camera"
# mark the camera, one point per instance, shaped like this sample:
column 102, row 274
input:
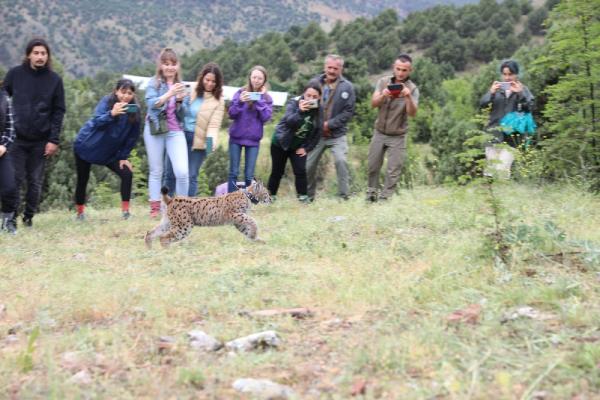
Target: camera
column 254, row 96
column 132, row 108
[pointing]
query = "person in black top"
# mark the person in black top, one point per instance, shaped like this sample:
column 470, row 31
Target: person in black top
column 7, row 174
column 38, row 102
column 295, row 136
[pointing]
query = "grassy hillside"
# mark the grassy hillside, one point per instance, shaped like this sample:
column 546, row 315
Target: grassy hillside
column 90, row 36
column 412, row 296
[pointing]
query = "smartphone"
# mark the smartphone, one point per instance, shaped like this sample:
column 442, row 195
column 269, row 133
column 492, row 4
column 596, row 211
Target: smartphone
column 395, row 87
column 254, row 96
column 313, row 103
column 132, row 108
column 505, row 85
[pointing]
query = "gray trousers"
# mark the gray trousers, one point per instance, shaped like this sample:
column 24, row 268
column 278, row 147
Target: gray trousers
column 396, row 149
column 339, row 149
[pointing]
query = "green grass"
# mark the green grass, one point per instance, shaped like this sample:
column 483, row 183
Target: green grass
column 382, row 280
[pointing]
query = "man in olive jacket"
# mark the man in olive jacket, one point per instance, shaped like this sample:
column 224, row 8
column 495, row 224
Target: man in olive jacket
column 38, row 101
column 337, row 102
column 397, row 98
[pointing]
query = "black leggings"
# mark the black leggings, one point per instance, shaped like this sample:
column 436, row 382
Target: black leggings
column 279, row 157
column 83, row 175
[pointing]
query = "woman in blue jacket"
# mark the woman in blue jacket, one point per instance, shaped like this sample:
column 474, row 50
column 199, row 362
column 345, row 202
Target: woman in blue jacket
column 107, row 139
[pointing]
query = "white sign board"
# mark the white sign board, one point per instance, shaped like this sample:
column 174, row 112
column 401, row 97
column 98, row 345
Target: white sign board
column 279, row 98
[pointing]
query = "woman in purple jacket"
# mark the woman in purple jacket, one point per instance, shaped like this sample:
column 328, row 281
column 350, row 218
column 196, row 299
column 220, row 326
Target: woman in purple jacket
column 251, row 107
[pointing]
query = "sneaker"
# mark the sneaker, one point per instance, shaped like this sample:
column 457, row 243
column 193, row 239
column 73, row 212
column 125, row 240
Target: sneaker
column 304, row 199
column 27, row 221
column 10, row 225
column 80, row 217
column 126, row 214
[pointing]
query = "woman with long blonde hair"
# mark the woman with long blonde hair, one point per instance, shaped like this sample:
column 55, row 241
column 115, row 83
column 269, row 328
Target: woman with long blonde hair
column 163, row 130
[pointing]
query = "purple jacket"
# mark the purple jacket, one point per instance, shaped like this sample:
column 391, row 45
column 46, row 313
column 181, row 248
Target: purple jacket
column 248, row 120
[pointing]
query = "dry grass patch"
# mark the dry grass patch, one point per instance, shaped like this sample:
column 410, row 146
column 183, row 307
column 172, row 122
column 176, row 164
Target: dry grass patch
column 381, row 280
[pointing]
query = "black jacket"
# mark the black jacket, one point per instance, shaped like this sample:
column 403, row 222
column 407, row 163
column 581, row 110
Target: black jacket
column 342, row 108
column 292, row 121
column 38, row 101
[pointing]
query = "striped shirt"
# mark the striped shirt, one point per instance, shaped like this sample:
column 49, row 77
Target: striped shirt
column 8, row 136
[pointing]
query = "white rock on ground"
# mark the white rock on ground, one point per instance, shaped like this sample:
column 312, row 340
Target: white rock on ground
column 263, row 388
column 256, row 340
column 202, row 341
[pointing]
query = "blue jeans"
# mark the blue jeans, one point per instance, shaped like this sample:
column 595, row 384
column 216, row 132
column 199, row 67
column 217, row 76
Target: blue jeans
column 235, row 155
column 173, row 143
column 195, row 160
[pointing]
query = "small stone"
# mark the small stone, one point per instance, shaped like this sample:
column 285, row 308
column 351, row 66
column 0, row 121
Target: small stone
column 79, row 256
column 2, row 310
column 263, row 388
column 72, row 360
column 200, row 340
column 257, row 340
column 15, row 328
column 138, row 312
column 81, row 378
column 298, row 313
column 9, row 339
column 165, row 343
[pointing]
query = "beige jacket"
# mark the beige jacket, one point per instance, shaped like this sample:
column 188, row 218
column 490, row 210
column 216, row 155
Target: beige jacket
column 208, row 121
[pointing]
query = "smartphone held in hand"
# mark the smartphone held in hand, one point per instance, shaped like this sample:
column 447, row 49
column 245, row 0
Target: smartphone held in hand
column 395, row 89
column 131, row 108
column 505, row 86
column 254, row 96
column 313, row 103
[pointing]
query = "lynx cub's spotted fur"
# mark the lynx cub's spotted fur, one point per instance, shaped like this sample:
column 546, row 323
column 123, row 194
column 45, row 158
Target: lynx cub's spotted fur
column 184, row 212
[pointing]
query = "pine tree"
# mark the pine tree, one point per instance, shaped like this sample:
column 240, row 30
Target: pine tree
column 572, row 110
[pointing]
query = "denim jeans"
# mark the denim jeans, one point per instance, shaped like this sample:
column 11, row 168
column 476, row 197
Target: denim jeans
column 235, row 155
column 176, row 150
column 195, row 160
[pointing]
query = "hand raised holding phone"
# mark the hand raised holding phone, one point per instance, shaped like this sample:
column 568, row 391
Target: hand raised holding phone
column 308, row 104
column 119, row 108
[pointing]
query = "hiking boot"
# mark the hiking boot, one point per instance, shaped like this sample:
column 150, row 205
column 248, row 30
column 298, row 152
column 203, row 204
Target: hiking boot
column 27, row 221
column 126, row 215
column 9, row 223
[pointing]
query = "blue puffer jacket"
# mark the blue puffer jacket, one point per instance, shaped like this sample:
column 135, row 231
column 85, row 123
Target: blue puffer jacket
column 104, row 138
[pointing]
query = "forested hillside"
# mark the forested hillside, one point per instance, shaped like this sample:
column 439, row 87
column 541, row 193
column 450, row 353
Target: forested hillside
column 91, row 36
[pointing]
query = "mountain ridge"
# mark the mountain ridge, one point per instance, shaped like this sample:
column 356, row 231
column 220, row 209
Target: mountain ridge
column 88, row 37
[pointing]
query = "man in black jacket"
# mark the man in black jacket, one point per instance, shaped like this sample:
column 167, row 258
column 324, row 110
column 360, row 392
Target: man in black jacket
column 38, row 101
column 337, row 102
